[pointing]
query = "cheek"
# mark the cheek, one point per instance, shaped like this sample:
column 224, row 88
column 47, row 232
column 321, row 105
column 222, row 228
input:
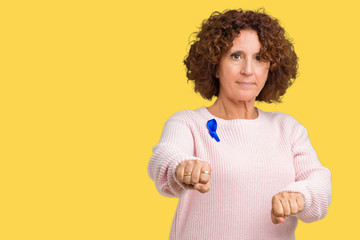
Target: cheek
column 229, row 72
column 262, row 75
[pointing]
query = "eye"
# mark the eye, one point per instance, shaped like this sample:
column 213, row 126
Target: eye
column 258, row 58
column 235, row 56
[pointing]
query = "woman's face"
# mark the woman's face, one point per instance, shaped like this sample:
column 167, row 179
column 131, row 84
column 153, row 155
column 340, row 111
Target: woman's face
column 241, row 72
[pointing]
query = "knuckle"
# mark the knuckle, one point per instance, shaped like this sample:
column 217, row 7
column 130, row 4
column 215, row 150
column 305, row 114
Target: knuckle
column 179, row 167
column 190, row 163
column 284, row 195
column 275, row 198
column 182, row 164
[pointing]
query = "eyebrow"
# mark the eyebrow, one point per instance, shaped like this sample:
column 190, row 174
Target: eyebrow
column 242, row 52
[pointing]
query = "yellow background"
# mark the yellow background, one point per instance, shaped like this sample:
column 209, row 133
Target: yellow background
column 86, row 87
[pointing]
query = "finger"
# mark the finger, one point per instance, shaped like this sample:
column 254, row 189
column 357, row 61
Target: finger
column 205, row 177
column 197, row 186
column 196, row 173
column 301, row 203
column 206, row 188
column 188, row 169
column 273, row 218
column 286, row 206
column 278, row 209
column 293, row 206
column 203, row 188
column 180, row 172
column 276, row 220
column 280, row 219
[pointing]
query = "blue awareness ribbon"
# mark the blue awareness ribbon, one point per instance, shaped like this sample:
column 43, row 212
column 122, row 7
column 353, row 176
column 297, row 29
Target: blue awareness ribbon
column 212, row 126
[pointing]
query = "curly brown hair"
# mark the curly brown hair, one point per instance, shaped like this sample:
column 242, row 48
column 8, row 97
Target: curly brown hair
column 215, row 38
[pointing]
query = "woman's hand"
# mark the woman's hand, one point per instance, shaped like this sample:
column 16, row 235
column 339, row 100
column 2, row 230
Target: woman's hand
column 286, row 204
column 198, row 180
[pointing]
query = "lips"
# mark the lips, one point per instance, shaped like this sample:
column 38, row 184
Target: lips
column 246, row 84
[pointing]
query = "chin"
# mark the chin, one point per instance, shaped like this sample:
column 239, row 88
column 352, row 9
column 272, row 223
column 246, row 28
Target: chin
column 246, row 98
column 245, row 94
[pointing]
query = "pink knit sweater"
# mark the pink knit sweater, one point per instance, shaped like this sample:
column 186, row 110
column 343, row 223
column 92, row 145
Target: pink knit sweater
column 254, row 160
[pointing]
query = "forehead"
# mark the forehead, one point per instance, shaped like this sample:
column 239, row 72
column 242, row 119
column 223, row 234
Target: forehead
column 246, row 41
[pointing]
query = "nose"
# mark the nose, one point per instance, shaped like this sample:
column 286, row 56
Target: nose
column 247, row 68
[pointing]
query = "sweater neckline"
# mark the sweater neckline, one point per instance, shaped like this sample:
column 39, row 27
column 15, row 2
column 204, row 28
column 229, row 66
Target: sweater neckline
column 208, row 114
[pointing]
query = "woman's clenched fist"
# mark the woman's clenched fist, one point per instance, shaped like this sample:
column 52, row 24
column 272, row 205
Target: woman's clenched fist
column 195, row 174
column 286, row 204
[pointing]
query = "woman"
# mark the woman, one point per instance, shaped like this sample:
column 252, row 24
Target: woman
column 263, row 171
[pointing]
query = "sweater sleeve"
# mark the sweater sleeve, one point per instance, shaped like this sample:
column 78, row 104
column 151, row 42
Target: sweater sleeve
column 311, row 178
column 175, row 146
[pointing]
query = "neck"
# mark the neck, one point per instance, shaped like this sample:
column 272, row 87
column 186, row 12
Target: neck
column 228, row 109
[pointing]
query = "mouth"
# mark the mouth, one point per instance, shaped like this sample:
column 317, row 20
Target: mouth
column 246, row 84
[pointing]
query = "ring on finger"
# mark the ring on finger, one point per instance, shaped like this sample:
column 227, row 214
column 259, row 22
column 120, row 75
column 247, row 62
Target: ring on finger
column 187, row 174
column 207, row 172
